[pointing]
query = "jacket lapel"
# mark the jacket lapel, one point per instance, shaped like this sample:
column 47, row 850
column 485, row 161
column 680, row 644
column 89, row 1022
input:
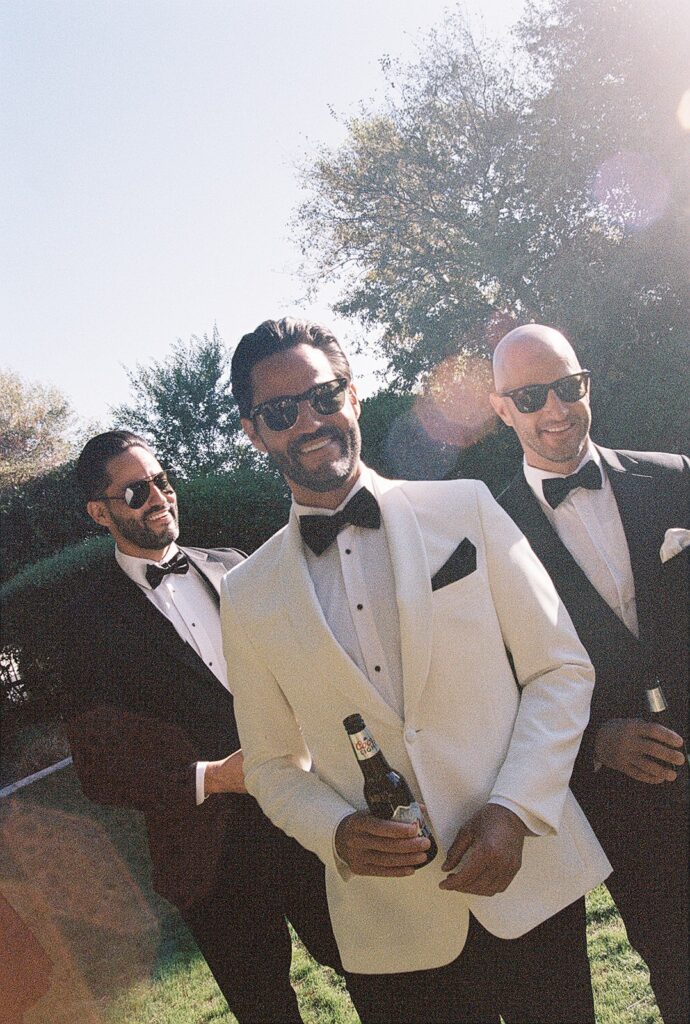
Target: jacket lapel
column 583, row 600
column 140, row 621
column 320, row 653
column 634, row 495
column 412, row 587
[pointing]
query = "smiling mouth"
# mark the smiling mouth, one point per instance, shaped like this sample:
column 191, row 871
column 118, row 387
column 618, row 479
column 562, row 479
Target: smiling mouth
column 557, row 430
column 157, row 516
column 315, row 446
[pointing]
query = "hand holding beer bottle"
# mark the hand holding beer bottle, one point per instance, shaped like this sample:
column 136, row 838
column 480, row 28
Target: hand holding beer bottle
column 657, row 710
column 394, row 840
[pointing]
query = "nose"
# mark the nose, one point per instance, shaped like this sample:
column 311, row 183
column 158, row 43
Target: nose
column 308, row 419
column 554, row 405
column 158, row 496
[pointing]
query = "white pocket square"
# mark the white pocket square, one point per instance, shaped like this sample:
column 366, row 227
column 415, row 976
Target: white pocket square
column 675, row 540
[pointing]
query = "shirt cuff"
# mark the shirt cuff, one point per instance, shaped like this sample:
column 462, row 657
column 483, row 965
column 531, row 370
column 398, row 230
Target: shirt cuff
column 200, row 775
column 536, row 826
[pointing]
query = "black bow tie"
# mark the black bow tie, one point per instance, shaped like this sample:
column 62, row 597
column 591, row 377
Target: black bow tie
column 319, row 532
column 156, row 572
column 557, row 488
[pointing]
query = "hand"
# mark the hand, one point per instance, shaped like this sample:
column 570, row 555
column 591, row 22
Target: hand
column 633, row 746
column 371, row 846
column 487, row 852
column 226, row 776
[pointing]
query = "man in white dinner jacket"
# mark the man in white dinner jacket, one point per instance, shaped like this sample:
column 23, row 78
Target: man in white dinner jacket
column 409, row 608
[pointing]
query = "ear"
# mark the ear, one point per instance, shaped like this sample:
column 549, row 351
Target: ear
column 253, row 435
column 499, row 406
column 98, row 512
column 354, row 399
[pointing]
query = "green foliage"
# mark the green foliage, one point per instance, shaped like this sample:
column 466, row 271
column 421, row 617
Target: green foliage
column 237, row 509
column 547, row 182
column 184, row 407
column 35, row 425
column 41, row 516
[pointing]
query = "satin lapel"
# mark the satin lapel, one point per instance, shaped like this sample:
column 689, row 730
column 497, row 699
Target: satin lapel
column 313, row 647
column 577, row 593
column 634, row 493
column 132, row 611
column 412, row 587
column 210, row 570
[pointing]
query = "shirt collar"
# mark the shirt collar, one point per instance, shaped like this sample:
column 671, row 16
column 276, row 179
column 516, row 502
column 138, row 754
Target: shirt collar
column 535, row 477
column 135, row 567
column 363, row 480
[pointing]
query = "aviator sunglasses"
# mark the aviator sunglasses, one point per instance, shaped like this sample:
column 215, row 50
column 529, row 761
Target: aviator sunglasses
column 281, row 413
column 533, row 397
column 137, row 494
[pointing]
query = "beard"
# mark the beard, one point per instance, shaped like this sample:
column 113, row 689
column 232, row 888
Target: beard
column 146, row 536
column 332, row 475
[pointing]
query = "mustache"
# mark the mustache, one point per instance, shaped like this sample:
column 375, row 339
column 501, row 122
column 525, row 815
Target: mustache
column 323, row 432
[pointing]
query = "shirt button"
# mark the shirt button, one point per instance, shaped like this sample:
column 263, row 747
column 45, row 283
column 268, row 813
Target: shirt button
column 377, row 668
column 348, row 551
column 359, row 607
column 410, row 735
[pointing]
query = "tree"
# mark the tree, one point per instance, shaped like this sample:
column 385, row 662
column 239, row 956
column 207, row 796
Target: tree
column 35, row 429
column 545, row 182
column 183, row 405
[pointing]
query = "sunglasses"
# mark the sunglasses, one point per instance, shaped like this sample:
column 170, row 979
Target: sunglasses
column 281, row 413
column 137, row 494
column 533, row 397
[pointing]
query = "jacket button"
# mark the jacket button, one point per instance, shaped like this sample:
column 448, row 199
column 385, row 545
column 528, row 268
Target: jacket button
column 410, row 735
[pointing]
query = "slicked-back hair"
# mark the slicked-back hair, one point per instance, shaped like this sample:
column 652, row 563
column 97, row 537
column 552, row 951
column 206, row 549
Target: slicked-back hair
column 277, row 336
column 91, row 472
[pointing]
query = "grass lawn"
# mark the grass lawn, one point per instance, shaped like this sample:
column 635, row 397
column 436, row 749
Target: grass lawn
column 78, row 877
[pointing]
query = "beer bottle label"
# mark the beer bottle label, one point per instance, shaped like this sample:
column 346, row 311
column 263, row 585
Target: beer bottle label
column 364, row 745
column 409, row 814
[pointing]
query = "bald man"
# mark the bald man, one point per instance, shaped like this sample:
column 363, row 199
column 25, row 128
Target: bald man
column 610, row 527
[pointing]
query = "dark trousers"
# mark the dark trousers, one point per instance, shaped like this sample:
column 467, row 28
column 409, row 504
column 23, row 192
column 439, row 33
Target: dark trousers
column 241, row 926
column 647, row 844
column 540, row 978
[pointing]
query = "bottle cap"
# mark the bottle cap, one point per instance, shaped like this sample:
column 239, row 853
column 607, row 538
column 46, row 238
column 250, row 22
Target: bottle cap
column 353, row 724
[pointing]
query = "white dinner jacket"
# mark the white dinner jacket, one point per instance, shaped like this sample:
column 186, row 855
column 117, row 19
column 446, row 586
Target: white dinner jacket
column 468, row 731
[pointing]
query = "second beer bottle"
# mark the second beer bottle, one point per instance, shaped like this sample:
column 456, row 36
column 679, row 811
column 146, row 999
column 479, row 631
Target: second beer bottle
column 386, row 792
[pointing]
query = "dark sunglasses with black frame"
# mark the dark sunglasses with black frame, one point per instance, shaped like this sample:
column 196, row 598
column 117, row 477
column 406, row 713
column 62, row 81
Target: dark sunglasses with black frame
column 533, row 397
column 281, row 413
column 137, row 494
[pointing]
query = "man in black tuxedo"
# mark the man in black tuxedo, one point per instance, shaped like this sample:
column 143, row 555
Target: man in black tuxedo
column 610, row 527
column 152, row 726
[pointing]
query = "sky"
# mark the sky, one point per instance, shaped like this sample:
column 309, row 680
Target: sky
column 150, row 169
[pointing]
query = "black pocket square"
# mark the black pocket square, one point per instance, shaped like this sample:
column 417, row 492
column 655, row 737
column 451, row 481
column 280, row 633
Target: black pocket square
column 461, row 563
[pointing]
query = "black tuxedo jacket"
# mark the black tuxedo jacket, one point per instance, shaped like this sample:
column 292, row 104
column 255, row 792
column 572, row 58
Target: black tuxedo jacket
column 141, row 709
column 652, row 491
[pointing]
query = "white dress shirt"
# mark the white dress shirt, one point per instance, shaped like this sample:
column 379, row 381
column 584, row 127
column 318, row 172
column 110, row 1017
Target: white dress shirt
column 184, row 600
column 355, row 586
column 589, row 524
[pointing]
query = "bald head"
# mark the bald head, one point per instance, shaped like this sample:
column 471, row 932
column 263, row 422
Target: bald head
column 526, row 354
column 554, row 434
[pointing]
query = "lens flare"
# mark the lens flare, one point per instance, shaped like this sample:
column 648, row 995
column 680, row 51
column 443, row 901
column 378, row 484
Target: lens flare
column 454, row 408
column 683, row 112
column 633, row 189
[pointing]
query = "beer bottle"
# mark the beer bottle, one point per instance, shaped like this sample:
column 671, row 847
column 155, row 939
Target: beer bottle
column 386, row 792
column 658, row 711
